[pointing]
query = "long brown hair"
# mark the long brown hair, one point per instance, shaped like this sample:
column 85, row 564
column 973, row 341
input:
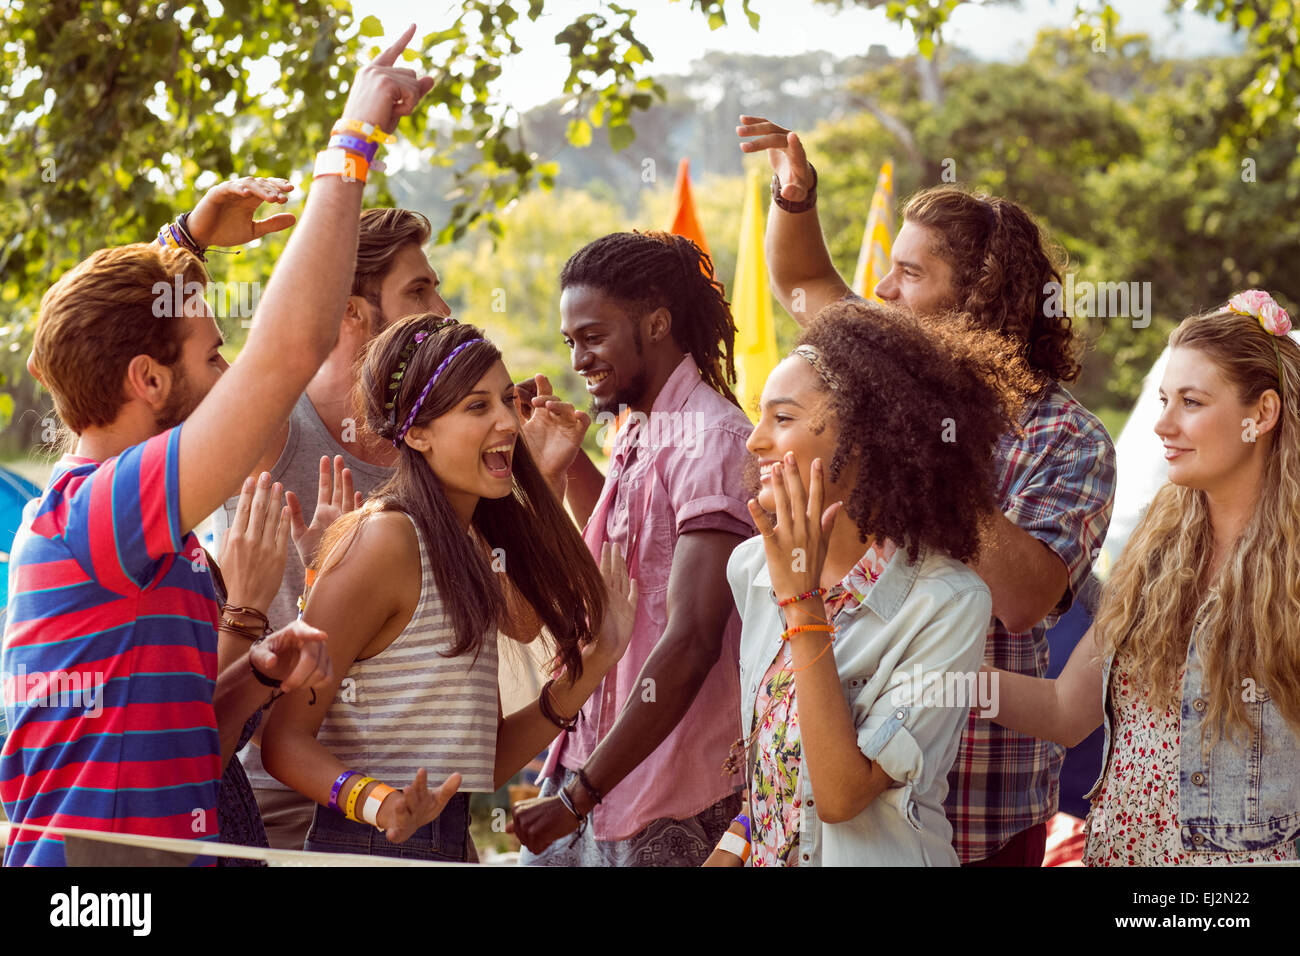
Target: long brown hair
column 1154, row 592
column 1002, row 265
column 546, row 559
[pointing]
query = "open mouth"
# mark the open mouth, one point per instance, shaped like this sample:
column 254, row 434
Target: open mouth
column 497, row 460
column 765, row 471
column 594, row 379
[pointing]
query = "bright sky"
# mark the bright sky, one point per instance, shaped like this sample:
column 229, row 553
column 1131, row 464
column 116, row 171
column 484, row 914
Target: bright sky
column 677, row 35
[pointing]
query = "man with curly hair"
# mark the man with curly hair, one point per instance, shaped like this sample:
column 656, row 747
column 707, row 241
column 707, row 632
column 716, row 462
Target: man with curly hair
column 985, row 257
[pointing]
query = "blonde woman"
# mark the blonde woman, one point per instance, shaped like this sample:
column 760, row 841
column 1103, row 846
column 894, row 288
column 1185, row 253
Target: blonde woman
column 1193, row 662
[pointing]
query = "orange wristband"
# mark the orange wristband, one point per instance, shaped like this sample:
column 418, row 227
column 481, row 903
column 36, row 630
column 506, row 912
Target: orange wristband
column 339, row 162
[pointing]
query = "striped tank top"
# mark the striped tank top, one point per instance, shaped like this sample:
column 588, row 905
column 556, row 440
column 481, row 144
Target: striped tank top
column 410, row 707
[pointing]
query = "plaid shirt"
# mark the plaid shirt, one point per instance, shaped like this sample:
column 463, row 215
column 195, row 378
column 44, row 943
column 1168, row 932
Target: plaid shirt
column 1057, row 483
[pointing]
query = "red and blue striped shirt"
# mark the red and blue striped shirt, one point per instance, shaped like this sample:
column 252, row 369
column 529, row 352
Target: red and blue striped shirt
column 109, row 659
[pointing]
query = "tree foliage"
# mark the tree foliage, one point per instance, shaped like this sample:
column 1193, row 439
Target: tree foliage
column 115, row 114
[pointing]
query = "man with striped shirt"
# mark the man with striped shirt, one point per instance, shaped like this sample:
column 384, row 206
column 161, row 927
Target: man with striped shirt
column 109, row 590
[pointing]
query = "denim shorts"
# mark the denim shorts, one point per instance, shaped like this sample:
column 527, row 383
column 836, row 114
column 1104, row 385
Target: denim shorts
column 445, row 839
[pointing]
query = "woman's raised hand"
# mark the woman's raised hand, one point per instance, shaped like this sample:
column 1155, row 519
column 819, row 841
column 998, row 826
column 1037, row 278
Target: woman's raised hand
column 796, row 546
column 335, row 496
column 620, row 605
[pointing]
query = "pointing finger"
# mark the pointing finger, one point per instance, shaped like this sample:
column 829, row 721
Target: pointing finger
column 389, row 56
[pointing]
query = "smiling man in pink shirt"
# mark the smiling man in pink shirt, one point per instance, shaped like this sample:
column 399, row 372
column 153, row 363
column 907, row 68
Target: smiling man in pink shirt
column 638, row 780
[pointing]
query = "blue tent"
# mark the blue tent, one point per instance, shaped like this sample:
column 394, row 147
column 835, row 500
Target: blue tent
column 15, row 492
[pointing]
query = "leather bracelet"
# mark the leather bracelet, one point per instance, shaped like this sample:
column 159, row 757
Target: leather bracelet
column 183, row 222
column 595, row 795
column 264, row 625
column 789, row 205
column 568, row 805
column 549, row 712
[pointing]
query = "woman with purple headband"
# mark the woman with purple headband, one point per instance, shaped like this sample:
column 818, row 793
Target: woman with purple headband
column 465, row 540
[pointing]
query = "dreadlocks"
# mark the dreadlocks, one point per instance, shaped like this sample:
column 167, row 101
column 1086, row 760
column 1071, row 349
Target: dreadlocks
column 658, row 269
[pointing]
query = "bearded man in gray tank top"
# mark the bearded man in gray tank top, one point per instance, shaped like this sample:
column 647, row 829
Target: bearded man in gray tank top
column 393, row 278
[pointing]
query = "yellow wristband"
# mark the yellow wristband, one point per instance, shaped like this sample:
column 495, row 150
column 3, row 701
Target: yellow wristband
column 368, row 131
column 353, row 794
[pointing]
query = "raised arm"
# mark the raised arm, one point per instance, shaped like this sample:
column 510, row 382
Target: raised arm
column 802, row 274
column 297, row 320
column 1064, row 710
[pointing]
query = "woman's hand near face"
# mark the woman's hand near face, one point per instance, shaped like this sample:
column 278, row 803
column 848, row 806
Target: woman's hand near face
column 796, row 545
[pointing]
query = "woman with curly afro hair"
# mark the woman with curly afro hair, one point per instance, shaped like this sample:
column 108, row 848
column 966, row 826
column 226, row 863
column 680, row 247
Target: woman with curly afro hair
column 863, row 630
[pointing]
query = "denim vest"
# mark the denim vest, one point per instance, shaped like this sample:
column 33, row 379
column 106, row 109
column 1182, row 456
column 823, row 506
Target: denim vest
column 1238, row 796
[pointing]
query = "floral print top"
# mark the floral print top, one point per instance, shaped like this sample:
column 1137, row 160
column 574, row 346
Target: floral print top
column 774, row 800
column 1134, row 817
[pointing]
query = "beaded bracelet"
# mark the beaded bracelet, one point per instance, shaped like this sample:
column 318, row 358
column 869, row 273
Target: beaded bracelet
column 800, row 628
column 815, row 592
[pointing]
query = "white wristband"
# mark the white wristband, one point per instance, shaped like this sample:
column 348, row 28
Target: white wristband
column 370, row 811
column 734, row 843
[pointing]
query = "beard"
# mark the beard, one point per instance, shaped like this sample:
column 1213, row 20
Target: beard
column 181, row 402
column 625, row 397
column 631, row 393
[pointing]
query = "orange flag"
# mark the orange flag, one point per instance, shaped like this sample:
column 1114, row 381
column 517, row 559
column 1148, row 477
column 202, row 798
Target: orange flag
column 685, row 222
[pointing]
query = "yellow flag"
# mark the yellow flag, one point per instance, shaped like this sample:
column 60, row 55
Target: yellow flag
column 751, row 303
column 878, row 237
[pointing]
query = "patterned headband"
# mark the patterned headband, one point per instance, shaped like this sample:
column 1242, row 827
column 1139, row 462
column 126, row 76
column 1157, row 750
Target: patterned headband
column 814, row 358
column 395, row 382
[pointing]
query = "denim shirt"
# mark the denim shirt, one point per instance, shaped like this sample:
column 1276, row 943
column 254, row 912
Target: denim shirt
column 1238, row 796
column 920, row 621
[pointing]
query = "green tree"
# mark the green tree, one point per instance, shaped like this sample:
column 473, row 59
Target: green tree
column 115, row 114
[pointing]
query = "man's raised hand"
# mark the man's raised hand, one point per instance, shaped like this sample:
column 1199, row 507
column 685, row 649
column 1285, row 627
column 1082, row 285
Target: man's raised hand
column 382, row 93
column 224, row 216
column 784, row 152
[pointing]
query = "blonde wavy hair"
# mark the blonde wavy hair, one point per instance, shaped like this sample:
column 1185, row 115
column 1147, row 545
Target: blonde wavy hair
column 1154, row 593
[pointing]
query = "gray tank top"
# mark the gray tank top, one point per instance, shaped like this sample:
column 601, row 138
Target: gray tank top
column 410, row 707
column 298, row 469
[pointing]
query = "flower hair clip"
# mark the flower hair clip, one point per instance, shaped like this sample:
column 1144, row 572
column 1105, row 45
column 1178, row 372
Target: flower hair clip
column 1260, row 305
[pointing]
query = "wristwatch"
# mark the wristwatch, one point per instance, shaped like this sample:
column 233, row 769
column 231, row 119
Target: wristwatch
column 808, row 202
